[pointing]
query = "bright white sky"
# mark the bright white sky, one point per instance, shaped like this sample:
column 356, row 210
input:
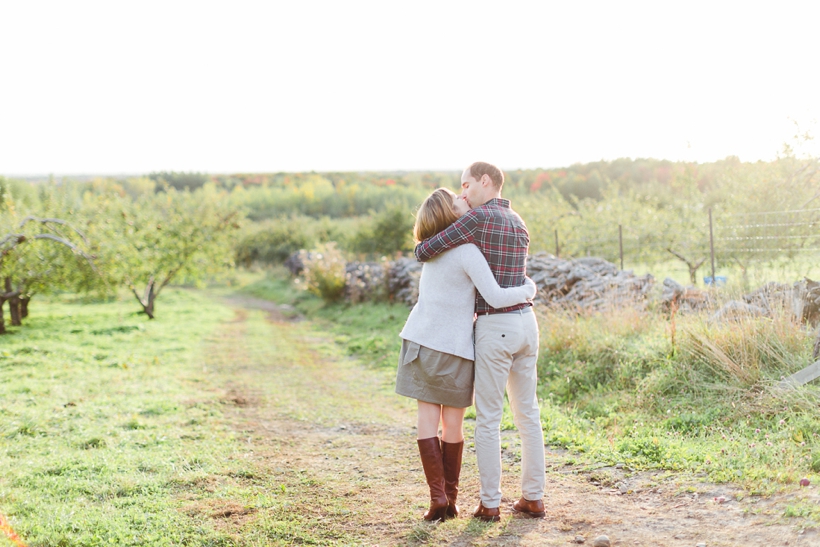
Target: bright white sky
column 132, row 87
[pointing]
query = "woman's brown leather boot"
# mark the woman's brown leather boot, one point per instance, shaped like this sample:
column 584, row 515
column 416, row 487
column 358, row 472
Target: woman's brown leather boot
column 431, row 460
column 451, row 457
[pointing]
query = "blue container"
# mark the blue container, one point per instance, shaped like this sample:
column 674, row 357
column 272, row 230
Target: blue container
column 719, row 281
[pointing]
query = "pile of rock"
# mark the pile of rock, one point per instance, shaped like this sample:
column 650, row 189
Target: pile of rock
column 296, row 262
column 675, row 297
column 586, row 283
column 801, row 300
column 403, row 280
column 364, row 281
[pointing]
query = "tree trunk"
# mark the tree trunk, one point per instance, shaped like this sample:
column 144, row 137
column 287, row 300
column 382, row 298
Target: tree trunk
column 2, row 321
column 147, row 302
column 744, row 274
column 14, row 311
column 24, row 307
column 149, row 309
column 14, row 304
column 815, row 354
column 692, row 265
column 150, row 296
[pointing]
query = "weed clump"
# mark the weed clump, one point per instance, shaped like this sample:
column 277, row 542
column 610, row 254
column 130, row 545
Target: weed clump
column 693, row 395
column 325, row 272
column 745, row 352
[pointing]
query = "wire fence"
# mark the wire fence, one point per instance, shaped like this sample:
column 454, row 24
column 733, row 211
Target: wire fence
column 710, row 247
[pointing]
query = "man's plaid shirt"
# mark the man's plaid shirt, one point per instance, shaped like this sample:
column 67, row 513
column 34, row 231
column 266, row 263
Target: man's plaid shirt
column 502, row 237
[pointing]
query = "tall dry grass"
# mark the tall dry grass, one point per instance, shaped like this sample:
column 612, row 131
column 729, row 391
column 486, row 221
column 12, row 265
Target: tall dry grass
column 587, row 353
column 645, row 356
column 746, row 351
column 585, row 331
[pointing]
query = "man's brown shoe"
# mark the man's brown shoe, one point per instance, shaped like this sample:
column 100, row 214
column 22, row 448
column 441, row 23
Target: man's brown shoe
column 487, row 514
column 532, row 509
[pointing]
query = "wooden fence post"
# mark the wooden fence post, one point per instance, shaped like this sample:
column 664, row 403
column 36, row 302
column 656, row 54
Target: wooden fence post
column 712, row 246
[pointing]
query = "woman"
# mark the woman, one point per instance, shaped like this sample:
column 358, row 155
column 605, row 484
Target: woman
column 436, row 361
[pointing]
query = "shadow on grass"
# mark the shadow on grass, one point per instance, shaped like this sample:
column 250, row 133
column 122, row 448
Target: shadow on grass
column 467, row 531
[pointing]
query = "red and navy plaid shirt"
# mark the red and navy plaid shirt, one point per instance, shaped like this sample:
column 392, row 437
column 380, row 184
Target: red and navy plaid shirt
column 502, row 237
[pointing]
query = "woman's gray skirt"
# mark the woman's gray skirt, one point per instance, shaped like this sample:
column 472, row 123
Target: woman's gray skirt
column 434, row 377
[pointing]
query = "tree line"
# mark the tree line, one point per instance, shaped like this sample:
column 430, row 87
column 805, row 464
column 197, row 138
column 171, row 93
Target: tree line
column 97, row 238
column 100, row 234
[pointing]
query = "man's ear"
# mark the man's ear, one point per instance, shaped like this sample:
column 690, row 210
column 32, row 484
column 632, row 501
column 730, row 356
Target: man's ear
column 485, row 180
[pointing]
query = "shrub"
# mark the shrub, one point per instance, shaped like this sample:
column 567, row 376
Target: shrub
column 389, row 232
column 365, row 281
column 272, row 242
column 600, row 351
column 325, row 272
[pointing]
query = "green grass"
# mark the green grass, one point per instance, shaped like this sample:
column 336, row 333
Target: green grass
column 112, row 429
column 115, row 429
column 369, row 330
column 615, row 390
column 275, row 284
column 757, row 273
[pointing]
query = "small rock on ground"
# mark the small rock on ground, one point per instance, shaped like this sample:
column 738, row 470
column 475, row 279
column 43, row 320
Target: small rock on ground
column 601, row 541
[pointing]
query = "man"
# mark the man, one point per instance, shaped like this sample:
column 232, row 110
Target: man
column 506, row 340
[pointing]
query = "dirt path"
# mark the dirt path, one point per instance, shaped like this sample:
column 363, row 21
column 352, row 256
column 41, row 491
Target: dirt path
column 328, row 434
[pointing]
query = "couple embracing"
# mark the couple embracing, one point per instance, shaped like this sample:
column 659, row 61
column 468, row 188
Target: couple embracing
column 473, row 331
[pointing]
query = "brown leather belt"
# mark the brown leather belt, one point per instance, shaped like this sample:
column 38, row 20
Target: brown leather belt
column 520, row 311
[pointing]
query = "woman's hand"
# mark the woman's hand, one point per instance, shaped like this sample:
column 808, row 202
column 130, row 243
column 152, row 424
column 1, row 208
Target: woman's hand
column 530, row 283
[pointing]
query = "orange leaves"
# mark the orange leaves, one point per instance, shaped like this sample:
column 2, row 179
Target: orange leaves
column 6, row 528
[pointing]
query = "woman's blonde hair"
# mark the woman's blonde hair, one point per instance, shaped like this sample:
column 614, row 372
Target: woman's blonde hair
column 435, row 214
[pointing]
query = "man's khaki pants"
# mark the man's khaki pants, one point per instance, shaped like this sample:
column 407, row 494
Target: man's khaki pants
column 506, row 351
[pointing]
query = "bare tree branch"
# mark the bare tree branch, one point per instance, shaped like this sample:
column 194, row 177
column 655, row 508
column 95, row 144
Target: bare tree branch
column 134, row 290
column 168, row 277
column 817, row 195
column 47, row 221
column 686, row 260
column 70, row 245
column 693, row 266
column 797, row 173
column 19, row 239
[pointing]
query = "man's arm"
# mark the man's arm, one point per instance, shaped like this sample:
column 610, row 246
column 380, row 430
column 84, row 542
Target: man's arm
column 458, row 233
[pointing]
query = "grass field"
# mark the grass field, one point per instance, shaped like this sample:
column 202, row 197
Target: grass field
column 119, row 430
column 108, row 421
column 615, row 389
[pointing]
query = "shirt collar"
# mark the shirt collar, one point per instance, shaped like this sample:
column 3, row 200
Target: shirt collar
column 499, row 202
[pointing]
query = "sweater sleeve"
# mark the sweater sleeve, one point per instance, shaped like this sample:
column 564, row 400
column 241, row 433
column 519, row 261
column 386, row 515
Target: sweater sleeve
column 458, row 233
column 476, row 267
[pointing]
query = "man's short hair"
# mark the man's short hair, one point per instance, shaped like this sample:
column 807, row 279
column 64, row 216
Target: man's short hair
column 480, row 168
